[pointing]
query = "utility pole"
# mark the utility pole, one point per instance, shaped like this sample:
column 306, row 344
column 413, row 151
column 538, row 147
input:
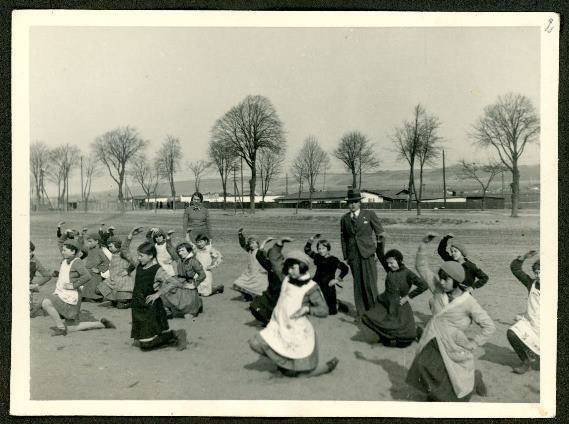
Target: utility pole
column 444, row 182
column 242, row 185
column 82, row 189
column 286, row 184
column 235, row 189
column 324, row 183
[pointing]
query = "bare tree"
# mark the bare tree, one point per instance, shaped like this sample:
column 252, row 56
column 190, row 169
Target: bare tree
column 116, row 148
column 251, row 125
column 508, row 126
column 356, row 152
column 269, row 164
column 198, row 167
column 407, row 139
column 168, row 161
column 64, row 158
column 40, row 167
column 315, row 160
column 89, row 169
column 147, row 175
column 483, row 174
column 223, row 157
column 298, row 171
column 429, row 148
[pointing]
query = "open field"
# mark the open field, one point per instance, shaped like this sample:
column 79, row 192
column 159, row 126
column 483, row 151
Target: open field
column 219, row 364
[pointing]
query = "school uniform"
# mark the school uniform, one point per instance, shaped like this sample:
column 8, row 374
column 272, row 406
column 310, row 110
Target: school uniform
column 326, row 268
column 119, row 285
column 95, row 259
column 66, row 298
column 474, row 277
column 262, row 307
column 209, row 258
column 253, row 281
column 291, row 342
column 443, row 366
column 183, row 298
column 526, row 329
column 392, row 322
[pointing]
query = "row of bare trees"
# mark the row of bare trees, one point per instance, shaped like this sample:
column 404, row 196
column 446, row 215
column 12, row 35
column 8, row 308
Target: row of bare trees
column 251, row 134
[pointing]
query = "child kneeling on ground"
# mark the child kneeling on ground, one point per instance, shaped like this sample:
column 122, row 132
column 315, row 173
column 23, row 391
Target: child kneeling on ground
column 289, row 339
column 149, row 321
column 66, row 299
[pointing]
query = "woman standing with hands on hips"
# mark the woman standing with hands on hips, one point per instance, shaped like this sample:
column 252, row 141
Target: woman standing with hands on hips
column 196, row 218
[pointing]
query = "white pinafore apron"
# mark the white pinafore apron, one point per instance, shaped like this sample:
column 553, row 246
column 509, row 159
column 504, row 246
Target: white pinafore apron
column 164, row 259
column 70, row 296
column 527, row 328
column 291, row 338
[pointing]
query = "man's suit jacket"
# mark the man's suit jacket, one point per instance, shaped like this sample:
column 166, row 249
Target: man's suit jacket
column 359, row 239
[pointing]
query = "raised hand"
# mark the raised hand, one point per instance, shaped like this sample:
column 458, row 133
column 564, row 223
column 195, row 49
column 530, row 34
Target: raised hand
column 429, row 237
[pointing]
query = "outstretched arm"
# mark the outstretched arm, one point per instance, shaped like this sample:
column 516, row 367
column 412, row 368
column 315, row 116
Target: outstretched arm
column 242, row 239
column 422, row 264
column 516, row 268
column 442, row 249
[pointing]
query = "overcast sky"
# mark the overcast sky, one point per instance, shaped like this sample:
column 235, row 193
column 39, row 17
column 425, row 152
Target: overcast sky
column 322, row 81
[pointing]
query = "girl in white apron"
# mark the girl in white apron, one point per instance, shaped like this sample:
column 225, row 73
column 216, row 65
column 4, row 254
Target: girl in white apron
column 165, row 252
column 289, row 339
column 524, row 334
column 444, row 365
column 209, row 258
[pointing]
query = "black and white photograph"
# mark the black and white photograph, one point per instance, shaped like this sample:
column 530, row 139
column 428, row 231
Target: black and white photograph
column 284, row 213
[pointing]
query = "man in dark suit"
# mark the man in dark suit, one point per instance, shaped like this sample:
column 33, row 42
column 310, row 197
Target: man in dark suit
column 359, row 232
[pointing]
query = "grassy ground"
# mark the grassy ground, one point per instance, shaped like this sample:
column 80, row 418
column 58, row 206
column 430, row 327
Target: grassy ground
column 219, row 364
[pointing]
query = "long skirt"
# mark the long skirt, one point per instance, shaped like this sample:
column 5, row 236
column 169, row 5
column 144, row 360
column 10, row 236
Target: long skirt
column 364, row 272
column 112, row 294
column 183, row 301
column 309, row 363
column 398, row 326
column 148, row 319
column 429, row 374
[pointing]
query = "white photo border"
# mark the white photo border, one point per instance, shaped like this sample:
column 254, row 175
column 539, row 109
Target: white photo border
column 23, row 20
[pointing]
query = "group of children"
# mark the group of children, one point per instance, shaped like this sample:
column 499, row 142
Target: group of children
column 163, row 281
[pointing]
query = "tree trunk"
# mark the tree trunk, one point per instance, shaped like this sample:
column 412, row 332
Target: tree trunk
column 173, row 190
column 420, row 190
column 515, row 189
column 252, row 184
column 354, row 178
column 411, row 185
column 120, row 195
column 310, row 198
column 483, row 199
column 224, row 187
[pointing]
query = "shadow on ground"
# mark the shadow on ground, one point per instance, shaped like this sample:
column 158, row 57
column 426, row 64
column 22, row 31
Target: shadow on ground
column 396, row 374
column 499, row 355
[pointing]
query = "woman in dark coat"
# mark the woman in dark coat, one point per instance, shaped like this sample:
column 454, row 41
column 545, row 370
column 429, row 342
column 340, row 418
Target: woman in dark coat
column 391, row 318
column 196, row 218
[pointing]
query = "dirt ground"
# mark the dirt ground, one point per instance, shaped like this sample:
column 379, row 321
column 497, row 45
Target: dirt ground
column 218, row 364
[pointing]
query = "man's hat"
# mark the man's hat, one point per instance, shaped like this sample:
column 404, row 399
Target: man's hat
column 354, row 195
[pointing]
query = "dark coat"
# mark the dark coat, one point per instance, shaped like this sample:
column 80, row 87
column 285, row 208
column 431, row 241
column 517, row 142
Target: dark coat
column 359, row 240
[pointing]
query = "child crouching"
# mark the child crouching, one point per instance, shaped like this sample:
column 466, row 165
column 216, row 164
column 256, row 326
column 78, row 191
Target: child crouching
column 66, row 299
column 289, row 339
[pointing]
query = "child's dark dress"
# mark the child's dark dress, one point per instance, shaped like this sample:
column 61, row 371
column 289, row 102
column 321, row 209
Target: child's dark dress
column 148, row 319
column 325, row 272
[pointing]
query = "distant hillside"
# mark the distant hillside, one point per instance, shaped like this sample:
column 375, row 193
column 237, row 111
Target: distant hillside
column 383, row 180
